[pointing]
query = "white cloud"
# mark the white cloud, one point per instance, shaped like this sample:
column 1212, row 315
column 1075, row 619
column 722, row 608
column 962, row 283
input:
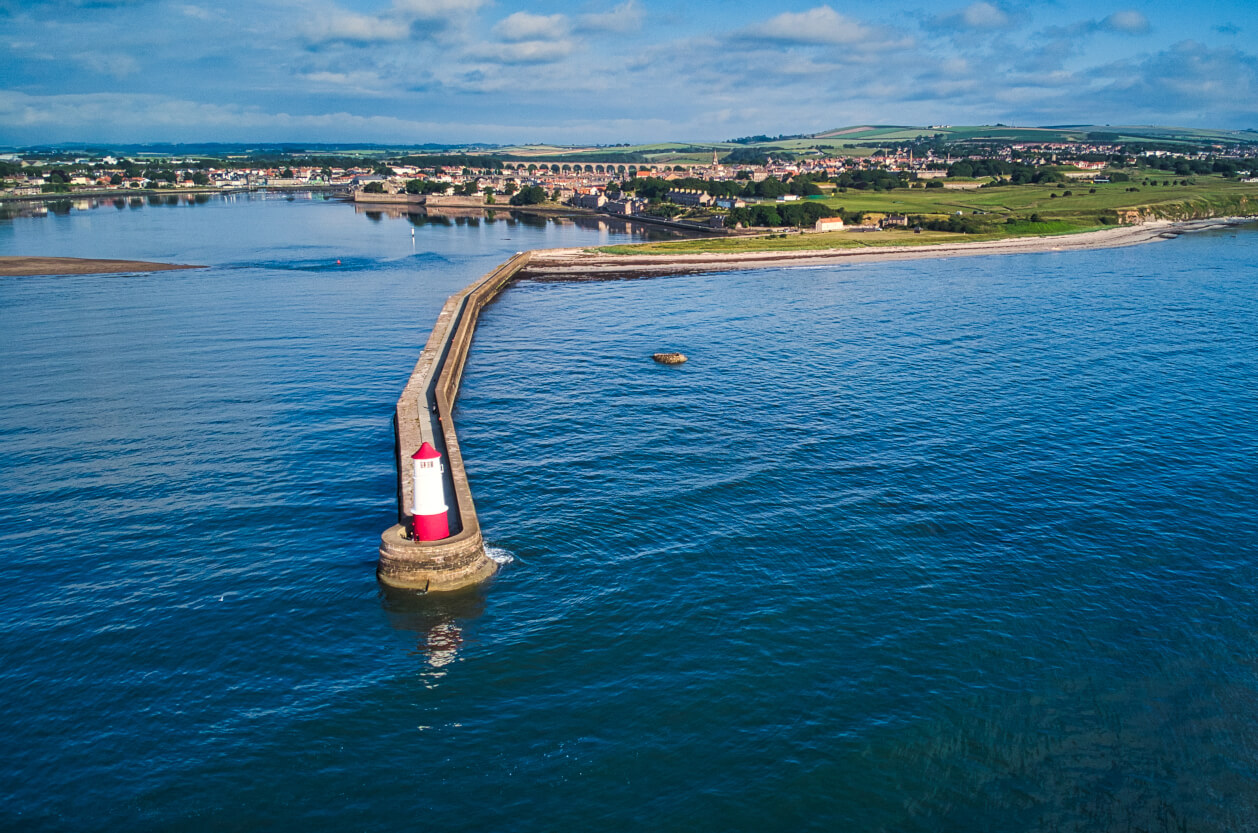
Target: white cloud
column 627, row 17
column 822, row 25
column 357, row 82
column 524, row 52
column 348, row 27
column 523, row 26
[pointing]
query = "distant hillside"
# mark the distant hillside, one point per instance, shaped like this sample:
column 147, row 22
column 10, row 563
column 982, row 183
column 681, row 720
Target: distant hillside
column 864, row 139
column 1052, row 133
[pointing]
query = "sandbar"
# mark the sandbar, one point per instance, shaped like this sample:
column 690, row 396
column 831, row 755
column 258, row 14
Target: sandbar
column 23, row 265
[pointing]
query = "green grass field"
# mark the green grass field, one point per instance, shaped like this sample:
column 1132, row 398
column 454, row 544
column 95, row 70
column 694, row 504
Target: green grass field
column 1020, row 200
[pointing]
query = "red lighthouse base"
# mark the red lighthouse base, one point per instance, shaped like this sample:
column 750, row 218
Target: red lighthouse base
column 431, row 527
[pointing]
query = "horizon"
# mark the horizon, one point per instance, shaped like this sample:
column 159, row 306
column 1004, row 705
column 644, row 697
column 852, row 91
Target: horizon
column 460, row 72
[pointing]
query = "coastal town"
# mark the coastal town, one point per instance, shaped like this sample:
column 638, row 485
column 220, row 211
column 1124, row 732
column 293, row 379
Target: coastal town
column 746, row 188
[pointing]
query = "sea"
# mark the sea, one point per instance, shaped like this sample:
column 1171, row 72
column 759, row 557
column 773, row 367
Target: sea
column 964, row 544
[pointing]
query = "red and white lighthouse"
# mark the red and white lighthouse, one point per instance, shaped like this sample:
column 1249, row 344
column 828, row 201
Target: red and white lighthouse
column 428, row 500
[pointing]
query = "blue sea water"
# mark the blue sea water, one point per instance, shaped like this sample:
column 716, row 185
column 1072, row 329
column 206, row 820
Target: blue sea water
column 941, row 545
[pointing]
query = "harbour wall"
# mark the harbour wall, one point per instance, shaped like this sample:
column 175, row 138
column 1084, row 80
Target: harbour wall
column 423, row 414
column 476, row 201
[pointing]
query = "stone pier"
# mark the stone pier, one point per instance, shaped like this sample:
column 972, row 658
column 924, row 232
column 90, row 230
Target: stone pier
column 424, row 414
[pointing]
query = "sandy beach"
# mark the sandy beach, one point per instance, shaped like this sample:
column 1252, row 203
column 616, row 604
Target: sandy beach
column 22, row 265
column 587, row 264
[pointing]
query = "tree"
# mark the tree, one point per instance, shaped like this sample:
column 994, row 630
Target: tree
column 374, row 188
column 771, row 188
column 200, row 178
column 530, row 195
column 116, row 179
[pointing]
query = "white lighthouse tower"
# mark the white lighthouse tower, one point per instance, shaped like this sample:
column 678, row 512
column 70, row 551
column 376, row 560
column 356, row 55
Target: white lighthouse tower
column 428, row 502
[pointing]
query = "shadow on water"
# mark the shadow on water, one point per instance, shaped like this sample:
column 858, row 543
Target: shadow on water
column 436, row 618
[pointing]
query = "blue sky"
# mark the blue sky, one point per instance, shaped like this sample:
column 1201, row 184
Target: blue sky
column 601, row 71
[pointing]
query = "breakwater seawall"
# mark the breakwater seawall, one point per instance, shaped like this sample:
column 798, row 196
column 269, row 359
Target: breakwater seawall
column 423, row 414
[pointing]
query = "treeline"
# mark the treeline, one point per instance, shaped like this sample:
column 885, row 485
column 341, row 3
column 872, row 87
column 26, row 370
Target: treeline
column 757, row 139
column 755, row 156
column 654, row 188
column 1201, row 167
column 877, row 179
column 1014, row 173
column 796, row 214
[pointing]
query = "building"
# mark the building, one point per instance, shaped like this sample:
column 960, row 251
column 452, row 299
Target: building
column 829, row 224
column 624, row 207
column 591, row 201
column 689, row 196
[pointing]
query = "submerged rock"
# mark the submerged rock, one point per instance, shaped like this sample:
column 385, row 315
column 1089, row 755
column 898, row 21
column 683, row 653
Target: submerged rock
column 669, row 358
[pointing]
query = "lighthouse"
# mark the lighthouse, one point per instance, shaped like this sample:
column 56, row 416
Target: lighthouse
column 428, row 502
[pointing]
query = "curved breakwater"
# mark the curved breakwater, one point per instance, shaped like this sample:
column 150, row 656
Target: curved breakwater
column 423, row 414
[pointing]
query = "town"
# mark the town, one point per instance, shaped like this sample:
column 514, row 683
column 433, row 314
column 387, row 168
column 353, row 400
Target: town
column 750, row 187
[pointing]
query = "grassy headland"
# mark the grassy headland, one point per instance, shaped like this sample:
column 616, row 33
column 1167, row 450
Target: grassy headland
column 995, row 213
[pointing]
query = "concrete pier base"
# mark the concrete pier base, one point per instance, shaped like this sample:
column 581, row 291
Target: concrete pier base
column 432, row 566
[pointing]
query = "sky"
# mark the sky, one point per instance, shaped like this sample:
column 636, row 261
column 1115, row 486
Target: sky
column 608, row 71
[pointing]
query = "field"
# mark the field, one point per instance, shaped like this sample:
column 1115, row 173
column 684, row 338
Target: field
column 863, row 140
column 1057, row 214
column 1008, row 200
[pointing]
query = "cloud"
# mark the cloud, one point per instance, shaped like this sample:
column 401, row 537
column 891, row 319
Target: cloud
column 115, row 65
column 627, row 17
column 979, row 15
column 524, row 52
column 1126, row 22
column 404, row 20
column 197, row 12
column 357, row 82
column 522, row 26
column 1228, row 29
column 339, row 26
column 1189, row 75
column 822, row 25
column 1129, row 22
column 105, row 117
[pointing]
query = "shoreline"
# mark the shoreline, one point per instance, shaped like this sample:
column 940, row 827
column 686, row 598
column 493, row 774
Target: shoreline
column 22, row 266
column 586, row 264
